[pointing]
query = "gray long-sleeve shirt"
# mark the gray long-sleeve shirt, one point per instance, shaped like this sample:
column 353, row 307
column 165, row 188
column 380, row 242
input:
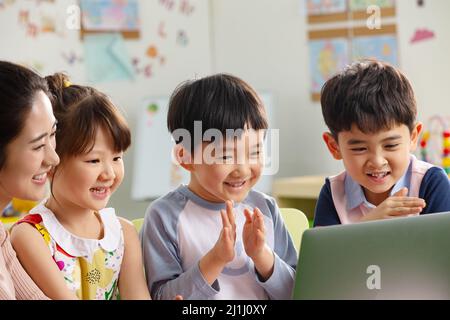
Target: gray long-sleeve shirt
column 180, row 228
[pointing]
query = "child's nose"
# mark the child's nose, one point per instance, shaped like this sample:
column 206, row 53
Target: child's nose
column 378, row 161
column 241, row 170
column 108, row 172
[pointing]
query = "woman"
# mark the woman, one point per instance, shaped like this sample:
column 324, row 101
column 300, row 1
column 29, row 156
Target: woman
column 27, row 154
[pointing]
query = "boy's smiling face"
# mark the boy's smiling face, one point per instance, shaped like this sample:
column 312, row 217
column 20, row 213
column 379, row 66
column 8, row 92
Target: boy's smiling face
column 375, row 161
column 228, row 170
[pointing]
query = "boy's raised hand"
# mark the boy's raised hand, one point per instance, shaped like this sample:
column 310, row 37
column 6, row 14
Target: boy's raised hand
column 225, row 244
column 254, row 238
column 254, row 233
column 396, row 206
column 212, row 264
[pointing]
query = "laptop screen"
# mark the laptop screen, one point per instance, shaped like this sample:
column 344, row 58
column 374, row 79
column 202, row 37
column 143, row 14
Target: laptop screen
column 402, row 258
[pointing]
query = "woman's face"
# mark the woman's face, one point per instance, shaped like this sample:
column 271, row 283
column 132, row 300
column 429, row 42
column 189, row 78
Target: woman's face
column 31, row 155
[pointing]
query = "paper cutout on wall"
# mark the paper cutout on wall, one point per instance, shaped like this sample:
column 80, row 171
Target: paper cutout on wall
column 152, row 110
column 71, row 57
column 152, row 51
column 48, row 24
column 37, row 22
column 186, row 8
column 145, row 70
column 422, row 35
column 182, row 38
column 168, row 4
column 106, row 58
column 161, row 30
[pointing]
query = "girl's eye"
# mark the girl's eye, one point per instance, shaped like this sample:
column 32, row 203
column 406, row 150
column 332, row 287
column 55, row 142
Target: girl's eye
column 117, row 158
column 358, row 149
column 93, row 161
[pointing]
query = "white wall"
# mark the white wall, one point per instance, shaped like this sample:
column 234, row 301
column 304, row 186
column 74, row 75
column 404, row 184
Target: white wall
column 265, row 43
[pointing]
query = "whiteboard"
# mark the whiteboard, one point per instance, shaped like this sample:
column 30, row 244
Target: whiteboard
column 154, row 172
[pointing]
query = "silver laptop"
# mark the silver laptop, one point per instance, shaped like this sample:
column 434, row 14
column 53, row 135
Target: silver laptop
column 402, row 258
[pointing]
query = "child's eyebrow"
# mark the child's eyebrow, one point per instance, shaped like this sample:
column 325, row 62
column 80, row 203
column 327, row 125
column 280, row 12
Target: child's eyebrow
column 355, row 141
column 392, row 138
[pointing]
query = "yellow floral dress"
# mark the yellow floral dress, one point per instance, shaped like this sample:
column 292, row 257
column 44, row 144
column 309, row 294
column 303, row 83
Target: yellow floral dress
column 90, row 267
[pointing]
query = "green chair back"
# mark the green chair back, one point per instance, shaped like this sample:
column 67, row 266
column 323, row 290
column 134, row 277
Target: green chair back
column 296, row 222
column 138, row 223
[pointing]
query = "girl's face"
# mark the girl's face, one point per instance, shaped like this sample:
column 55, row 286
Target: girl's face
column 87, row 181
column 31, row 155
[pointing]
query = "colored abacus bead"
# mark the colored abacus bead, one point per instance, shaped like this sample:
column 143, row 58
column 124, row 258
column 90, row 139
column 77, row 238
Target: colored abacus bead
column 446, row 162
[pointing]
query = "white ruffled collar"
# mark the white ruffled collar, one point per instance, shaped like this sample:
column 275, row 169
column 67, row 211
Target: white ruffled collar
column 77, row 246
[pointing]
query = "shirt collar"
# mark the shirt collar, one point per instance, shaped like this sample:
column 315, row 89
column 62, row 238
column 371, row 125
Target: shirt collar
column 355, row 194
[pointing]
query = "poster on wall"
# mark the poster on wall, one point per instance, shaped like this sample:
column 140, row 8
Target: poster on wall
column 327, row 56
column 362, row 5
column 332, row 48
column 383, row 48
column 316, row 7
column 110, row 15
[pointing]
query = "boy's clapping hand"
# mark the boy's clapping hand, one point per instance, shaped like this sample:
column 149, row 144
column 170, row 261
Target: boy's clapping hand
column 224, row 247
column 254, row 238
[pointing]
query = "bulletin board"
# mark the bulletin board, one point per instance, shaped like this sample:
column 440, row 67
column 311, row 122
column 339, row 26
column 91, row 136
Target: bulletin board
column 338, row 35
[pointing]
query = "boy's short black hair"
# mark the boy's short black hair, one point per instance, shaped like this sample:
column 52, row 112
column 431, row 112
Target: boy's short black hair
column 220, row 101
column 370, row 94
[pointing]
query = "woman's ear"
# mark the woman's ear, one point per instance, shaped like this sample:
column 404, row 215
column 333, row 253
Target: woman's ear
column 415, row 133
column 332, row 145
column 182, row 157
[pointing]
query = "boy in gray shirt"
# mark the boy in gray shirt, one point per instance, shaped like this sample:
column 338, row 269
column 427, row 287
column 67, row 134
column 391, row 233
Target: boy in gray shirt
column 216, row 238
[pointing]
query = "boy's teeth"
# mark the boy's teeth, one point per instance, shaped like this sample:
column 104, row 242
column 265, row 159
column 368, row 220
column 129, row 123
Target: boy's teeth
column 379, row 175
column 237, row 184
column 98, row 190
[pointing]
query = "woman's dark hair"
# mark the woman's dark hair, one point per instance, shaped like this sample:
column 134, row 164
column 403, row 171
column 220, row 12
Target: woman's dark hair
column 18, row 89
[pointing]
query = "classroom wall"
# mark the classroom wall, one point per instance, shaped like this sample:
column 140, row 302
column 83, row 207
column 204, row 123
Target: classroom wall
column 262, row 41
column 265, row 42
